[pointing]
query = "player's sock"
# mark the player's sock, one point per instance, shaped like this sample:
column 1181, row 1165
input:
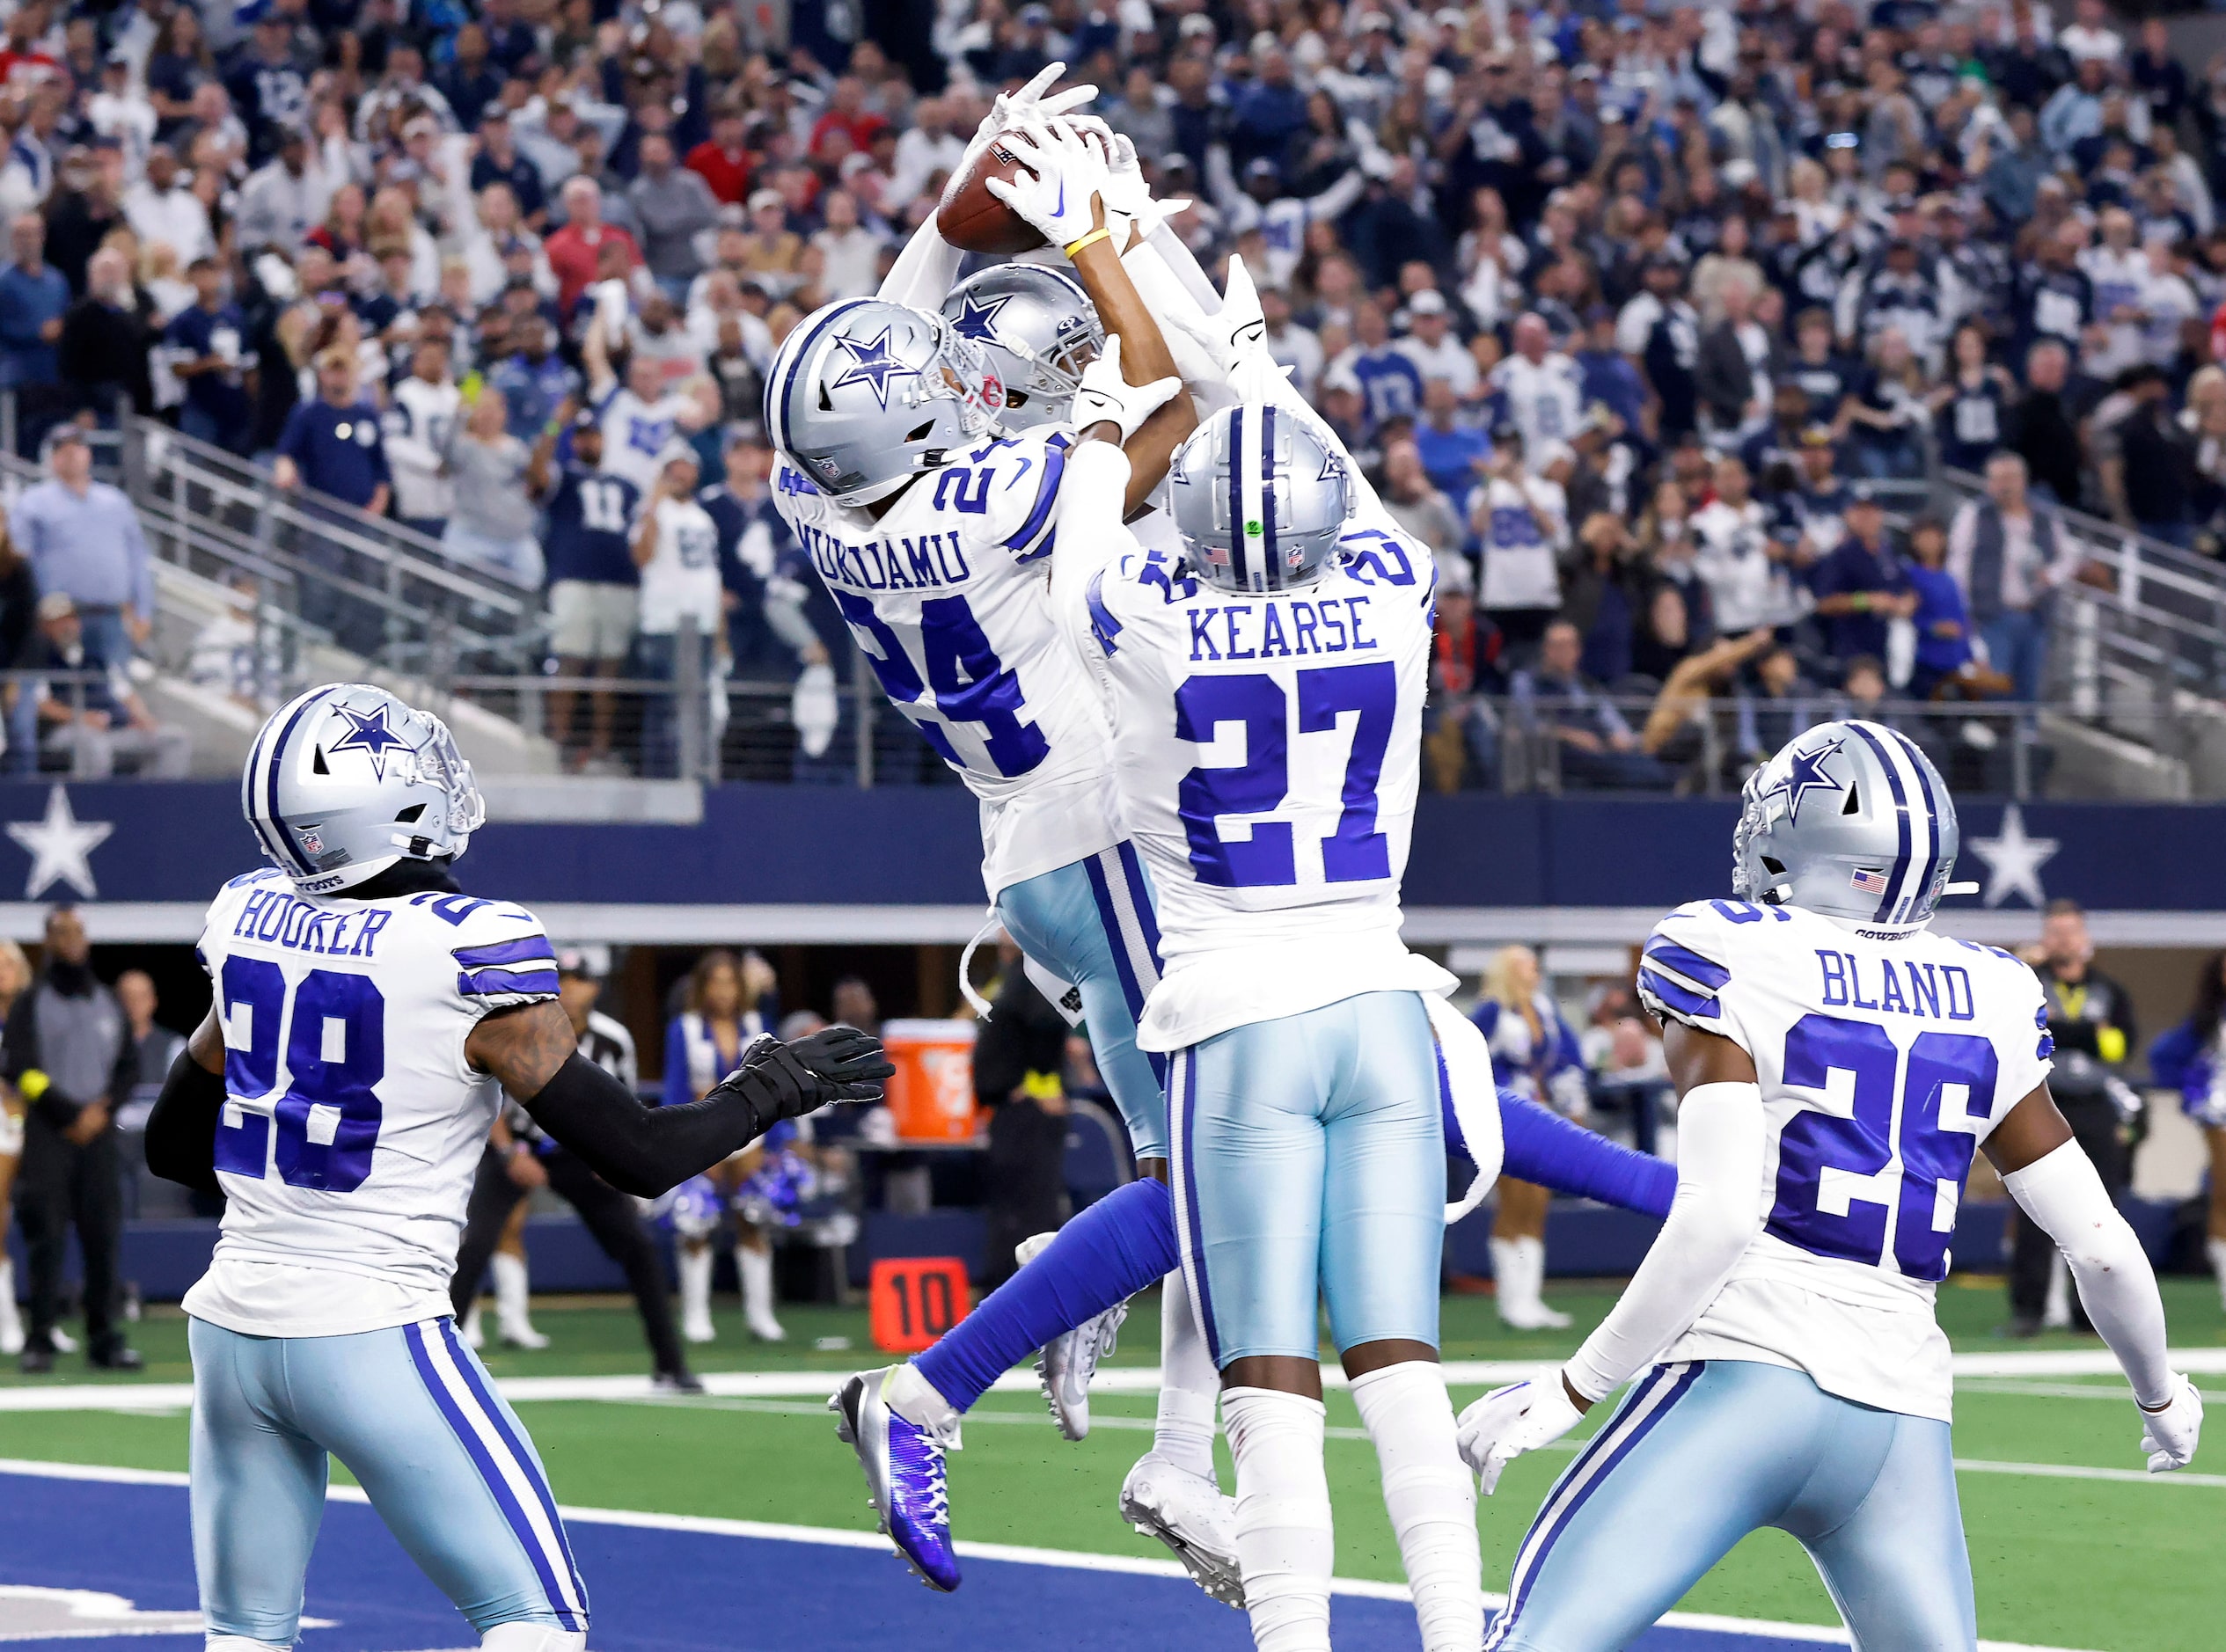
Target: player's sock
column 1105, row 1255
column 694, row 1267
column 1189, row 1385
column 1287, row 1546
column 1534, row 1249
column 10, row 1321
column 914, row 1397
column 1430, row 1496
column 513, row 1294
column 2217, row 1249
column 755, row 1268
column 533, row 1637
column 475, row 1334
column 1507, row 1260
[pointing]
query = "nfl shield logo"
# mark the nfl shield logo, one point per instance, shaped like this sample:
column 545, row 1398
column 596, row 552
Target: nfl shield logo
column 1868, row 882
column 311, row 843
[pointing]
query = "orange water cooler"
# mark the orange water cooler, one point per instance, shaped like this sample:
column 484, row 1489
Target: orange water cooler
column 931, row 1097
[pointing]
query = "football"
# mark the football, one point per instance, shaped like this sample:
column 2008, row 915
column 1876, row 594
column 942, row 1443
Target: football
column 972, row 218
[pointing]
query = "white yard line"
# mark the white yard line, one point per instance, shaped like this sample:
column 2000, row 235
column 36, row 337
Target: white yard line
column 1133, row 1565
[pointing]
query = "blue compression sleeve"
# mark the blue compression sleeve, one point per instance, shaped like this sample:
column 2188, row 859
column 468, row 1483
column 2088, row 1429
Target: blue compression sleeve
column 1122, row 1243
column 1543, row 1147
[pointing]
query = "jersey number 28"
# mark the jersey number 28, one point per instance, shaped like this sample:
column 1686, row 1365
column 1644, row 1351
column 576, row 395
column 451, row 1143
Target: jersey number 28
column 327, row 1120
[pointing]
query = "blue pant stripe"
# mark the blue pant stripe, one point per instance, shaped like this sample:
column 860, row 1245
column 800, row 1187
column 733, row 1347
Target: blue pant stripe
column 1183, row 1097
column 1124, row 908
column 1131, row 988
column 519, row 1450
column 497, row 1486
column 1648, row 1403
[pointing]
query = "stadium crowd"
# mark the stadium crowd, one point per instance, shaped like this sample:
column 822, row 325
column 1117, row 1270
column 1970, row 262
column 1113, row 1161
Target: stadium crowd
column 1647, row 318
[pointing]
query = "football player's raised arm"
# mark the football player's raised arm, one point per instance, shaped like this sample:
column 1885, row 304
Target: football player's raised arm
column 1145, row 357
column 182, row 1131
column 644, row 1151
column 2057, row 1186
column 1715, row 1216
column 924, row 271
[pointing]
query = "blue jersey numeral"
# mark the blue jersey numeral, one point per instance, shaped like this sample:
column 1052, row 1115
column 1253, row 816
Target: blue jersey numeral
column 962, row 674
column 327, row 1123
column 1833, row 1192
column 1356, row 851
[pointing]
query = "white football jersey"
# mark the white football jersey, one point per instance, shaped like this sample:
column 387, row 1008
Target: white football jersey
column 1266, row 752
column 1544, row 400
column 948, row 594
column 636, row 432
column 1886, row 1056
column 352, row 1125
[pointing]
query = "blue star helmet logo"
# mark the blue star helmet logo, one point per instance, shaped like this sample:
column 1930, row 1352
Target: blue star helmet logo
column 978, row 316
column 368, row 734
column 1804, row 773
column 871, row 364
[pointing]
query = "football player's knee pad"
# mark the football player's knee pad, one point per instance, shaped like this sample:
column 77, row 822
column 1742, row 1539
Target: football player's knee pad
column 533, row 1637
column 241, row 1643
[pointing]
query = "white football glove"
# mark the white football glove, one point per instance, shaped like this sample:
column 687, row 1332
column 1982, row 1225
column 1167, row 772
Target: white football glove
column 1235, row 335
column 1126, row 193
column 1508, row 1421
column 1028, row 103
column 1064, row 175
column 1106, row 397
column 2169, row 1436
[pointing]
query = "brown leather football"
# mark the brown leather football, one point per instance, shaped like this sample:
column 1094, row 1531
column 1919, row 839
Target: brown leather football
column 972, row 218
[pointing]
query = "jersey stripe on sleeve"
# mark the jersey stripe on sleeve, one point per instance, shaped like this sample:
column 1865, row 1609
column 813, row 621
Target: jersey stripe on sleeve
column 525, row 963
column 1033, row 539
column 1678, row 984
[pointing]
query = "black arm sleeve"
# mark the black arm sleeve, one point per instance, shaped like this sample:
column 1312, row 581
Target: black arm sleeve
column 182, row 1131
column 638, row 1150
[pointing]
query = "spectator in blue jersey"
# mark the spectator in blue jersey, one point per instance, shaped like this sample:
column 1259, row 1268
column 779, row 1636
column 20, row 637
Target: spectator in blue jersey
column 334, row 449
column 267, row 86
column 1943, row 629
column 1534, row 1053
column 1605, row 374
column 208, row 354
column 533, row 378
column 595, row 596
column 32, row 296
column 1861, row 585
column 1389, row 382
column 767, row 633
column 1455, row 447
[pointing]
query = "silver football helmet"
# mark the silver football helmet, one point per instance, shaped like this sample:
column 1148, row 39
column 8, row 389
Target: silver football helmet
column 865, row 394
column 1038, row 329
column 1261, row 499
column 1851, row 820
column 348, row 779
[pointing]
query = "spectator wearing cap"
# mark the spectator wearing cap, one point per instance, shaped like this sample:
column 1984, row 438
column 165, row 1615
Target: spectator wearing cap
column 499, row 162
column 676, row 546
column 208, row 352
column 332, row 445
column 2148, row 469
column 33, row 295
column 1861, row 585
column 1745, row 568
column 420, row 415
column 1430, row 344
column 84, row 542
column 575, row 252
column 1386, row 377
column 1660, row 332
column 535, row 381
column 282, row 200
column 491, row 526
column 766, row 628
column 86, row 719
column 162, row 209
column 102, row 352
column 674, row 206
column 1604, row 376
column 267, row 84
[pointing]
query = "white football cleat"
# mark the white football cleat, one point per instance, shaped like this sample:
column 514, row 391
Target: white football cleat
column 1190, row 1514
column 474, row 1334
column 1068, row 1362
column 1533, row 1316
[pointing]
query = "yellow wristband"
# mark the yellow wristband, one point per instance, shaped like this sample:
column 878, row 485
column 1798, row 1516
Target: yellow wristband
column 1042, row 1086
column 1091, row 239
column 33, row 1085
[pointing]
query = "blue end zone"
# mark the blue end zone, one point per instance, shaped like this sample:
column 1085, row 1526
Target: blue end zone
column 656, row 1589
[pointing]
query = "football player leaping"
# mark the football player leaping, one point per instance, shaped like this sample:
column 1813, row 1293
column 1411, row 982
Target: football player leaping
column 1266, row 694
column 1838, row 1063
column 367, row 1016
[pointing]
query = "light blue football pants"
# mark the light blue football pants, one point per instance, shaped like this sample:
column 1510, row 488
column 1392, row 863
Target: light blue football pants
column 1310, row 1166
column 415, row 1417
column 1091, row 924
column 1700, row 1454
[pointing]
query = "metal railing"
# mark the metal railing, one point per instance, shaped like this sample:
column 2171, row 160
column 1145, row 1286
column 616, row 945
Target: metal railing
column 1705, row 745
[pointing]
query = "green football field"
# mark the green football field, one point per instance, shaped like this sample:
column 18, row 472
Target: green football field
column 2072, row 1544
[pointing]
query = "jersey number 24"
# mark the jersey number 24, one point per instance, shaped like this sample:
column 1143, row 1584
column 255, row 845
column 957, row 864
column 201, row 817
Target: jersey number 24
column 328, row 1119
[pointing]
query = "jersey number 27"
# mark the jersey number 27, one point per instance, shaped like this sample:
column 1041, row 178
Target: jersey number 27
column 328, row 1119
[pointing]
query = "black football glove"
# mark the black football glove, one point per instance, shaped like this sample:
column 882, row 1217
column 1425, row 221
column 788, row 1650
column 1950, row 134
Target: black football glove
column 780, row 1081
